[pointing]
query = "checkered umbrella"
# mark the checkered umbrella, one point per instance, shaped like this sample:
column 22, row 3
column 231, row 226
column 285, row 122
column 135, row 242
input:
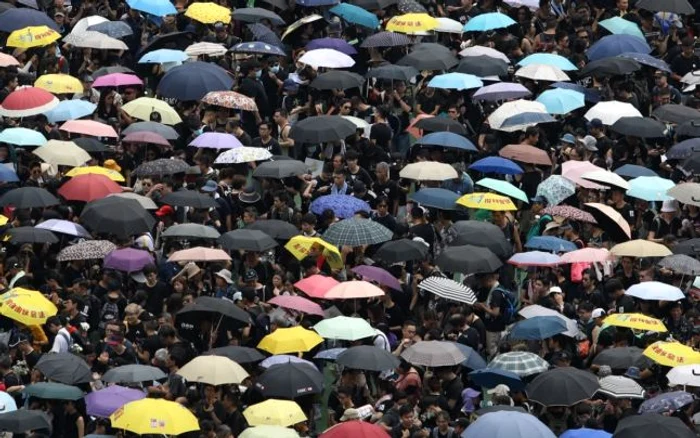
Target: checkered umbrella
column 448, row 289
column 356, row 232
column 434, row 354
column 86, row 250
column 620, row 387
column 522, row 363
column 386, row 39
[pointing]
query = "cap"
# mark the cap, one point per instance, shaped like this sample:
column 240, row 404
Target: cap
column 111, row 164
column 290, row 85
column 59, row 13
column 589, row 142
column 596, row 123
column 668, row 206
column 568, row 138
column 165, row 210
column 554, row 290
column 250, row 275
column 539, row 199
column 604, row 371
column 350, row 414
column 598, row 313
column 560, row 356
column 500, row 389
column 219, row 25
column 633, row 373
column 226, row 275
column 209, row 186
column 552, row 225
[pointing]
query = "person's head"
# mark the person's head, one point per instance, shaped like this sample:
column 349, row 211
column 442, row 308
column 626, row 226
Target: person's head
column 538, row 203
column 453, row 112
column 614, row 288
column 382, row 171
column 73, row 304
column 250, row 214
column 351, row 158
column 150, row 271
column 308, row 223
column 688, row 46
column 675, row 310
column 280, row 200
column 406, row 415
column 339, row 178
column 54, row 324
column 408, row 329
column 442, row 420
column 345, row 107
column 264, row 130
column 585, row 311
column 280, row 117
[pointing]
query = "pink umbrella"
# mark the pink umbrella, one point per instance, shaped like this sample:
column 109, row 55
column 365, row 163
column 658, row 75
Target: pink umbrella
column 572, row 170
column 7, row 60
column 89, row 127
column 353, row 289
column 117, row 80
column 379, row 275
column 146, row 137
column 297, row 303
column 199, row 254
column 586, row 255
column 316, row 286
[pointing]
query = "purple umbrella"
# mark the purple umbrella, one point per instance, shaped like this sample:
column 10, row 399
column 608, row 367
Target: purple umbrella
column 216, row 140
column 374, row 273
column 332, row 43
column 104, row 402
column 127, row 259
column 344, row 206
column 283, row 358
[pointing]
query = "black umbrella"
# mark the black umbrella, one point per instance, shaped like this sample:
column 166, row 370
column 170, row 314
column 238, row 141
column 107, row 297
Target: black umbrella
column 28, row 197
column 652, row 426
column 610, row 67
column 431, row 47
column 175, row 41
column 484, row 234
column 337, row 80
column 605, row 222
column 121, row 217
column 564, row 386
column 24, row 420
column 238, row 354
column 682, row 7
column 689, row 247
column 692, row 164
column 468, row 259
column 411, row 6
column 206, row 307
column 64, row 368
column 373, row 5
column 621, row 358
column 274, row 228
column 264, row 34
column 111, row 70
column 165, row 131
column 367, row 357
column 31, row 235
column 133, row 374
column 161, row 166
column 280, row 169
column 253, row 15
column 189, row 198
column 440, row 124
column 393, row 72
column 684, row 149
column 673, row 113
column 385, row 39
column 90, row 144
column 483, row 66
column 429, row 60
column 247, row 240
column 401, row 250
column 321, row 129
column 279, row 4
column 643, row 127
column 289, row 381
column 691, row 128
column 191, row 231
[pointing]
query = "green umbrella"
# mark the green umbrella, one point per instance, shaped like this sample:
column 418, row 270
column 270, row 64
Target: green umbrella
column 503, row 187
column 344, row 328
column 53, row 391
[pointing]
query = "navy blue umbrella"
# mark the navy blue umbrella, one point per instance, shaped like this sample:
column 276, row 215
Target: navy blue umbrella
column 634, row 170
column 613, row 45
column 436, row 198
column 496, row 165
column 264, row 34
column 193, row 80
column 550, row 243
column 492, row 377
column 538, row 328
column 473, row 360
column 338, row 44
column 14, row 19
column 258, row 48
column 447, row 140
column 115, row 29
column 648, row 60
column 589, row 94
column 684, row 149
column 527, row 119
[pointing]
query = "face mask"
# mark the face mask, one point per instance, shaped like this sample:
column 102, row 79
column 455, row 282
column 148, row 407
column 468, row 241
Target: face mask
column 258, row 74
column 275, row 69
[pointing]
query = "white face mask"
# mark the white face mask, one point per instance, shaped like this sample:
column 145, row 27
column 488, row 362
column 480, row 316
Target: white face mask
column 275, row 69
column 258, row 74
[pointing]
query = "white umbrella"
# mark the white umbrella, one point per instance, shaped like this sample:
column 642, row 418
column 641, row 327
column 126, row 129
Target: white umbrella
column 448, row 25
column 483, row 51
column 620, row 387
column 655, row 290
column 62, row 153
column 692, row 78
column 611, row 111
column 448, row 289
column 542, row 72
column 530, row 4
column 83, row 24
column 360, row 124
column 64, row 227
column 95, row 40
column 428, row 171
column 687, row 375
column 687, row 193
column 243, row 154
column 328, row 58
column 606, row 177
column 209, row 49
column 537, row 310
column 510, row 109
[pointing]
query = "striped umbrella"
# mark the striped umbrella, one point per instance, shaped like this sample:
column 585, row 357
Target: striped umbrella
column 621, row 387
column 448, row 289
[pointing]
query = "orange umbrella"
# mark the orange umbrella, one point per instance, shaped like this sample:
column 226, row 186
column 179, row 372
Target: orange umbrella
column 353, row 289
column 526, row 154
column 88, row 188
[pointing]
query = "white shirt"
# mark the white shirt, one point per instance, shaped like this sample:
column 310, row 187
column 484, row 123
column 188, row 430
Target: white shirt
column 61, row 342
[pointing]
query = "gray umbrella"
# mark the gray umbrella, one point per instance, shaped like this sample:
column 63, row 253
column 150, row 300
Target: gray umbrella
column 189, row 198
column 64, row 368
column 483, row 66
column 114, row 29
column 165, row 131
column 247, row 240
column 434, row 354
column 253, row 15
column 109, row 70
column 468, row 259
column 23, row 420
column 191, row 231
column 337, row 79
column 484, row 234
column 21, row 235
column 429, row 60
column 133, row 374
column 367, row 357
column 161, row 166
column 681, row 264
column 28, row 197
column 280, row 169
column 275, row 228
column 393, row 72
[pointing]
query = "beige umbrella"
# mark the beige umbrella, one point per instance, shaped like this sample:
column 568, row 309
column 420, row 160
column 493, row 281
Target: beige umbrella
column 611, row 221
column 62, row 153
column 640, row 248
column 687, row 193
column 606, row 177
column 199, row 254
column 213, row 370
column 209, row 49
column 145, row 202
column 428, row 171
column 142, row 108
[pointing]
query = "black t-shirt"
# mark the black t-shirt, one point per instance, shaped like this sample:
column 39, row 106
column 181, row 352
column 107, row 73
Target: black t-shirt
column 426, row 232
column 156, row 294
column 452, row 390
column 360, row 175
column 427, row 103
column 389, row 189
column 381, row 133
column 495, row 324
column 272, row 146
column 682, row 65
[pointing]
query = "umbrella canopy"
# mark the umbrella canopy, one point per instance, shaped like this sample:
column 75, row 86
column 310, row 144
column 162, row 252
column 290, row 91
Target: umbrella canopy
column 64, row 227
column 290, row 340
column 386, row 39
column 512, row 108
column 435, row 198
column 353, row 289
column 565, row 386
column 496, row 165
column 611, row 221
column 455, row 81
column 191, row 231
column 447, row 140
column 59, row 84
column 253, row 15
column 193, row 80
column 542, row 72
column 621, row 387
column 428, row 171
column 151, row 415
column 655, row 290
column 611, row 111
column 492, row 377
column 687, row 193
column 650, row 188
column 117, row 216
column 586, row 255
column 89, row 127
column 52, row 391
column 568, row 212
column 231, row 100
column 344, row 328
column 27, row 101
column 561, row 101
column 64, row 368
column 650, row 425
column 538, row 328
column 433, row 354
column 189, row 198
column 468, row 259
column 411, row 23
column 501, row 91
column 289, row 381
column 69, row 110
column 62, row 153
column 133, row 374
column 243, row 154
column 355, row 428
column 448, row 289
column 128, row 259
column 429, row 60
column 439, row 124
column 666, row 402
column 26, row 306
column 556, row 189
column 328, row 58
column 27, row 234
column 356, row 232
column 247, row 240
column 636, row 321
column 684, row 375
column 610, row 67
column 621, row 358
column 321, row 129
column 550, row 243
column 22, row 420
column 300, row 304
column 33, row 36
column 199, row 254
column 104, row 402
column 143, row 107
column 671, row 354
column 401, row 250
column 551, row 59
column 393, row 72
column 213, row 370
column 483, row 66
column 618, row 25
column 613, row 45
column 274, row 228
column 86, row 250
column 316, row 286
column 238, row 353
column 681, row 264
column 280, row 169
column 534, row 258
column 640, row 248
column 273, row 412
column 483, row 234
column 165, row 131
column 22, row 137
column 163, row 56
column 522, row 363
column 356, row 15
column 88, row 188
column 673, row 113
column 488, row 21
column 302, row 246
column 368, row 358
column 644, row 127
column 525, row 154
column 607, row 178
column 378, row 275
column 511, row 424
column 535, row 310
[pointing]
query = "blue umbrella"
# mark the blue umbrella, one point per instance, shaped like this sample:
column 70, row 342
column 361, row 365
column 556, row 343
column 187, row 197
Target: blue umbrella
column 15, row 19
column 589, row 94
column 330, row 354
column 344, row 206
column 114, row 29
column 161, row 56
column 442, row 199
column 447, row 140
column 538, row 328
column 473, row 359
column 634, row 170
column 684, row 149
column 527, row 119
column 501, row 91
column 258, row 48
column 356, row 15
column 332, row 43
column 650, row 188
column 22, row 137
column 489, row 21
column 492, row 377
column 456, row 81
column 496, row 165
column 620, row 26
column 550, row 59
column 70, row 110
column 647, row 60
column 667, row 402
column 193, row 80
column 534, row 258
column 8, row 175
column 585, row 433
column 560, row 101
column 159, row 8
column 550, row 243
column 613, row 45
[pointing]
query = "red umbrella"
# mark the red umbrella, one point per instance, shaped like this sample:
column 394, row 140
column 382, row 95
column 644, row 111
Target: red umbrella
column 89, row 127
column 299, row 304
column 526, row 154
column 355, row 429
column 27, row 101
column 146, row 137
column 88, row 188
column 316, row 286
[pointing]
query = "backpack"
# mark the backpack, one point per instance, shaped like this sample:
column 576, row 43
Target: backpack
column 109, row 312
column 510, row 310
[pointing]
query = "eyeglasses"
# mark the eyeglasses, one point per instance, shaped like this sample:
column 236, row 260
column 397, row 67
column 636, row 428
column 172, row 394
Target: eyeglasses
column 346, row 107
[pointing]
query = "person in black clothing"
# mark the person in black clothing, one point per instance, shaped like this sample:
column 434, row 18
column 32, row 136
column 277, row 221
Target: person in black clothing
column 685, row 62
column 266, row 140
column 156, row 290
column 616, row 292
column 406, row 427
column 232, row 416
column 252, row 87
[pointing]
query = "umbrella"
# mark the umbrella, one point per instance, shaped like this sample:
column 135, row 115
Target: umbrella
column 275, row 228
column 64, row 368
column 104, row 402
column 157, row 416
column 143, row 107
column 551, row 59
column 273, row 412
column 161, row 167
column 89, row 127
column 193, row 80
column 189, row 198
column 95, row 40
column 22, row 137
column 393, row 72
column 63, row 227
column 590, row 95
column 483, row 234
column 538, row 328
column 492, row 377
column 655, row 290
column 684, row 375
column 118, row 216
column 328, row 58
column 289, row 381
column 535, row 310
column 535, row 259
column 586, row 255
column 684, row 149
column 258, row 48
column 243, row 154
column 253, row 15
column 692, row 165
column 682, row 7
column 355, row 15
column 651, row 425
column 352, row 290
column 213, row 370
column 666, row 402
column 550, row 243
column 611, row 111
column 143, row 201
column 428, row 171
column 565, row 386
column 613, row 45
column 640, row 248
column 321, row 129
column 267, row 431
column 688, row 129
column 338, row 44
column 378, row 275
column 689, row 247
column 27, row 101
column 210, row 308
column 496, row 165
column 560, row 101
column 525, row 154
column 15, row 19
column 636, row 321
column 483, row 66
column 238, row 354
column 556, row 189
column 487, row 201
column 316, row 286
column 299, row 304
column 607, row 178
column 647, row 59
column 279, row 359
column 356, row 232
column 355, row 428
column 611, row 221
column 33, row 36
column 442, row 199
column 401, row 250
column 163, row 56
column 677, row 114
column 30, row 235
column 230, row 99
column 52, row 391
column 385, row 39
column 88, row 188
column 86, row 250
column 488, row 21
column 524, row 120
column 109, row 70
column 368, row 358
column 344, row 328
column 610, row 67
column 429, row 60
column 681, row 264
column 23, row 420
column 280, row 169
column 671, row 354
column 468, row 259
column 26, row 306
column 343, row 206
column 7, row 60
column 290, row 340
column 633, row 171
column 247, row 240
column 62, row 153
column 509, row 424
column 128, row 259
column 337, row 79
column 59, row 84
column 199, row 254
column 114, row 29
column 501, row 91
column 513, row 108
column 621, row 358
column 133, row 374
column 70, row 110
column 411, row 23
column 159, row 8
column 542, row 72
column 455, row 81
column 208, row 13
column 522, row 363
column 507, row 408
column 7, row 403
column 618, row 25
column 439, row 124
column 474, row 51
column 473, row 361
column 650, row 188
column 302, row 246
column 165, row 131
column 433, row 354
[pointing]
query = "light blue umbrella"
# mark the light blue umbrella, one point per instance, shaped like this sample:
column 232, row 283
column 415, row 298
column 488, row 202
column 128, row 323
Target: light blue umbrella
column 561, row 101
column 330, row 354
column 504, row 424
column 161, row 56
column 538, row 328
column 550, row 59
column 456, row 81
column 114, row 29
column 7, row 402
column 159, row 8
column 534, row 258
column 550, row 243
column 503, row 187
column 585, row 433
column 7, row 174
column 618, row 25
column 356, row 15
column 70, row 110
column 22, row 137
column 650, row 188
column 447, row 140
column 489, row 21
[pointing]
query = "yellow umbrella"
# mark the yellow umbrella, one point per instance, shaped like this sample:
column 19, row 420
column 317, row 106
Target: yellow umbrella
column 28, row 307
column 59, row 83
column 290, row 340
column 154, row 417
column 96, row 170
column 32, row 36
column 142, row 108
column 213, row 370
column 274, row 413
column 3, row 220
column 487, row 201
column 302, row 246
column 208, row 13
column 412, row 23
column 672, row 354
column 636, row 321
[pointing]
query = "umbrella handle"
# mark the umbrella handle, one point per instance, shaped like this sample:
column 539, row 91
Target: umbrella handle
column 694, row 373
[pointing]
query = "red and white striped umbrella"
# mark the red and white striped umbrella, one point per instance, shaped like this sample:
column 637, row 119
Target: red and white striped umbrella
column 27, row 101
